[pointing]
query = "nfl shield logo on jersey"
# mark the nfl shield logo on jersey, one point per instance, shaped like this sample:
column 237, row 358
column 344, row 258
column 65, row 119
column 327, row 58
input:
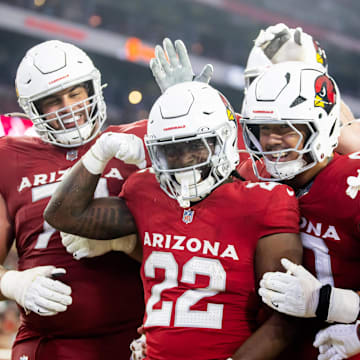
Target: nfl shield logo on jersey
column 72, row 155
column 188, row 216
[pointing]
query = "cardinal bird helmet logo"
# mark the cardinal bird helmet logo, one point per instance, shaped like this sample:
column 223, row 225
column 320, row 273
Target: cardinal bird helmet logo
column 325, row 93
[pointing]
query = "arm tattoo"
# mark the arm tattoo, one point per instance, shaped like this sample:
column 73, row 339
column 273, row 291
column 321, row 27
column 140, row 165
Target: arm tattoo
column 73, row 209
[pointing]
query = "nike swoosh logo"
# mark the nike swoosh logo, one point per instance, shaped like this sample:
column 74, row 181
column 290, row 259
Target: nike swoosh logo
column 290, row 192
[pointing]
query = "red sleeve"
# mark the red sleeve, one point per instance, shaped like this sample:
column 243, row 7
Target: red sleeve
column 134, row 184
column 282, row 213
column 138, row 128
column 277, row 209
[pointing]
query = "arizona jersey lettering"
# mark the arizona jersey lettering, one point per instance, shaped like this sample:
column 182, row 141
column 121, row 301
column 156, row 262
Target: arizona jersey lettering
column 329, row 229
column 106, row 290
column 197, row 266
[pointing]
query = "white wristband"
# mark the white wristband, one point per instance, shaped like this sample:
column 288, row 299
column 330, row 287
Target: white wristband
column 9, row 284
column 93, row 164
column 344, row 306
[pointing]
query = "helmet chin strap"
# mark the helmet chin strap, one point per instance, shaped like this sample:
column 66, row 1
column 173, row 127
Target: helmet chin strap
column 285, row 170
column 191, row 187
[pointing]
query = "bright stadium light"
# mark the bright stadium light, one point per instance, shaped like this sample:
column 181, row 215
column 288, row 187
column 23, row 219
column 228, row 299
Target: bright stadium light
column 135, row 97
column 39, row 3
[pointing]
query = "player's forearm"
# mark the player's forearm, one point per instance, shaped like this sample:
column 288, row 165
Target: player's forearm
column 269, row 340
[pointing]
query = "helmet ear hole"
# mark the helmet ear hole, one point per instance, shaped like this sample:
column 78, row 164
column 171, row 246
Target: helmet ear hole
column 250, row 80
column 88, row 86
column 37, row 105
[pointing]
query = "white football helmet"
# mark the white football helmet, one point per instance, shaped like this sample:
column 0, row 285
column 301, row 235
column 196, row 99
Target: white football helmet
column 192, row 116
column 257, row 63
column 290, row 94
column 279, row 43
column 53, row 66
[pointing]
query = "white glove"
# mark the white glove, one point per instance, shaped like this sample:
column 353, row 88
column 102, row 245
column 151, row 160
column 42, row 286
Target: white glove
column 81, row 247
column 295, row 295
column 279, row 43
column 138, row 348
column 338, row 342
column 299, row 293
column 177, row 68
column 126, row 147
column 34, row 290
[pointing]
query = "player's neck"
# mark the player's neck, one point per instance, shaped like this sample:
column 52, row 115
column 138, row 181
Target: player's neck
column 306, row 177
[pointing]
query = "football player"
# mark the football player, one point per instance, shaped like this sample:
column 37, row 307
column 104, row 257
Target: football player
column 172, row 65
column 291, row 121
column 277, row 44
column 206, row 237
column 299, row 46
column 87, row 309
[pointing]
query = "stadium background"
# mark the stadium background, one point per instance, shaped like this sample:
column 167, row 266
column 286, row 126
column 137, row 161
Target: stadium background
column 120, row 35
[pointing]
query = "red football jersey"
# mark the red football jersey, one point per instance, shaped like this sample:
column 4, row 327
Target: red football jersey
column 330, row 221
column 329, row 230
column 198, row 263
column 107, row 291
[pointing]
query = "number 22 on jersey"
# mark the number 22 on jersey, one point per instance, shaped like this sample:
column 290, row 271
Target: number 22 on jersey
column 183, row 315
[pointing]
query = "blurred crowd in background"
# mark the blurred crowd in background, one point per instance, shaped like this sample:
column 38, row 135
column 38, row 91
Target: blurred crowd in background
column 213, row 30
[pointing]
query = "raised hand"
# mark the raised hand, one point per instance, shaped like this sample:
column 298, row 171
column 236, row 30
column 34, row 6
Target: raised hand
column 280, row 43
column 172, row 65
